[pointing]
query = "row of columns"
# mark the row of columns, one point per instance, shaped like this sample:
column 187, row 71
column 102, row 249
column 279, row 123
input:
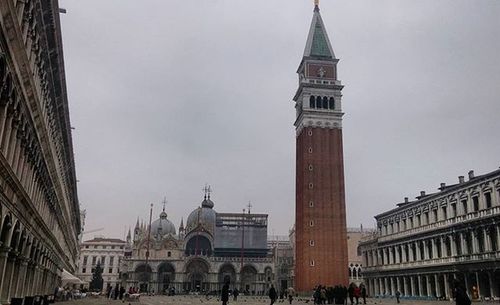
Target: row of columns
column 22, row 277
column 478, row 285
column 479, row 240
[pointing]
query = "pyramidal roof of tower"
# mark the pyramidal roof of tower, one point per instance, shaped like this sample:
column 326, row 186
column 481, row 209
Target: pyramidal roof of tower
column 318, row 44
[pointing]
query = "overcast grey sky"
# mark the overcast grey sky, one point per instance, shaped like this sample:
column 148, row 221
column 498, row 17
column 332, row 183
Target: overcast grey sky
column 167, row 95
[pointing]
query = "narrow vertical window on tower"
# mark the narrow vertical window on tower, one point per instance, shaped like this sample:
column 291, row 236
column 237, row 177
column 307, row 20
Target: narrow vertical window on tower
column 310, row 167
column 325, row 102
column 311, row 263
column 310, row 150
column 311, row 223
column 311, row 243
column 309, row 132
column 318, row 102
column 312, row 103
column 331, row 103
column 311, row 204
column 311, row 185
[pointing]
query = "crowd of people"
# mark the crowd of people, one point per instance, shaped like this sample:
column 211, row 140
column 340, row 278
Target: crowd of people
column 339, row 294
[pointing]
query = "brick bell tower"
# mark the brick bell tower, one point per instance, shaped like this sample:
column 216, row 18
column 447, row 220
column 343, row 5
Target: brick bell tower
column 320, row 217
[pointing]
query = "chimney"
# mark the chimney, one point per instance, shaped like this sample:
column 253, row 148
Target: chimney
column 461, row 179
column 471, row 174
column 422, row 193
column 442, row 186
column 406, row 200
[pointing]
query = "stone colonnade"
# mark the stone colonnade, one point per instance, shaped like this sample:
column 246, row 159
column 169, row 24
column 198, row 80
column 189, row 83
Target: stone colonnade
column 484, row 284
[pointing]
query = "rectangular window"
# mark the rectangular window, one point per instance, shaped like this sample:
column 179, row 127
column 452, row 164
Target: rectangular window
column 475, row 203
column 110, row 270
column 464, row 207
column 487, row 199
column 419, row 221
column 435, row 212
column 445, row 213
column 426, row 215
column 94, row 259
column 112, row 247
column 404, row 224
column 410, row 223
column 85, row 259
column 454, row 209
column 111, row 260
column 103, row 260
column 84, row 270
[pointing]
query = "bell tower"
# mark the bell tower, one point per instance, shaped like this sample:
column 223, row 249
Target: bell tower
column 320, row 216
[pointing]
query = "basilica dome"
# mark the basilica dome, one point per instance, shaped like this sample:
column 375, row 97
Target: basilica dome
column 162, row 226
column 204, row 216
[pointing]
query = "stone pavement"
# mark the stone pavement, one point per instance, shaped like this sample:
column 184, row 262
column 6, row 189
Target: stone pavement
column 200, row 300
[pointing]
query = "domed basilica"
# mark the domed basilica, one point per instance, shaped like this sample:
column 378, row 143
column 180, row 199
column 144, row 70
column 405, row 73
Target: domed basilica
column 213, row 248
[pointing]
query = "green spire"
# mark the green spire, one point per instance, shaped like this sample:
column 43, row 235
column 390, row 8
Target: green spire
column 319, row 43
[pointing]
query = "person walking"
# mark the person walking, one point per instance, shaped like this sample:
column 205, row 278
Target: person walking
column 350, row 292
column 398, row 295
column 236, row 292
column 363, row 293
column 357, row 294
column 461, row 297
column 225, row 294
column 272, row 294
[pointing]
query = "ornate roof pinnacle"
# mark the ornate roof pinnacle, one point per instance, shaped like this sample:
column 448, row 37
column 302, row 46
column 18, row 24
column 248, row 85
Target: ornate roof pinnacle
column 316, row 5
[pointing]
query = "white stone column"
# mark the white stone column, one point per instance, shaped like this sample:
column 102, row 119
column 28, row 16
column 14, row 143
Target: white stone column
column 405, row 285
column 478, row 286
column 465, row 250
column 444, row 249
column 420, row 286
column 453, row 245
column 486, row 239
column 398, row 285
column 4, row 254
column 492, row 284
column 446, row 286
column 386, row 286
column 467, row 286
column 429, row 288
column 412, row 285
column 437, row 286
column 417, row 249
column 393, row 292
column 434, row 249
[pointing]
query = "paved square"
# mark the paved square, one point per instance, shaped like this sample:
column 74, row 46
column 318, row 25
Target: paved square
column 191, row 300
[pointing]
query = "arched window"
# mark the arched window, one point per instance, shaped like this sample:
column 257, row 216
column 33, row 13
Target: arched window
column 350, row 272
column 355, row 273
column 318, row 102
column 331, row 103
column 312, row 102
column 325, row 102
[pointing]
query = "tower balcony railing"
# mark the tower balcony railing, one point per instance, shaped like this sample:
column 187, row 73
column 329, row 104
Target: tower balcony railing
column 442, row 223
column 476, row 257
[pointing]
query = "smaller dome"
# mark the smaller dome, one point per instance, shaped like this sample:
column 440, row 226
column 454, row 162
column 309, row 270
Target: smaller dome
column 207, row 203
column 162, row 226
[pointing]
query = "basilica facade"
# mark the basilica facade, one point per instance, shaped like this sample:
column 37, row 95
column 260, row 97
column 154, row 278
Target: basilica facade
column 213, row 248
